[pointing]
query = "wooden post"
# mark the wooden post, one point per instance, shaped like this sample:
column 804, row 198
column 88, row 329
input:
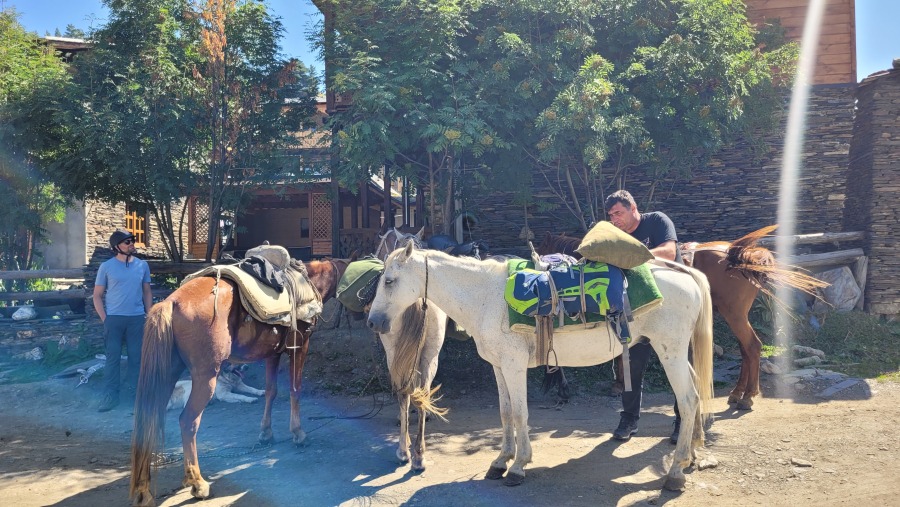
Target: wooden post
column 388, row 212
column 860, row 272
column 364, row 202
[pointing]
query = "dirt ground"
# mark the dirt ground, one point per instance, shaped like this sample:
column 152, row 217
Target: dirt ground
column 793, row 449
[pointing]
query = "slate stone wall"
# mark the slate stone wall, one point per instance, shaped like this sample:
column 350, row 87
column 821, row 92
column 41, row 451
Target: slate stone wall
column 873, row 187
column 736, row 194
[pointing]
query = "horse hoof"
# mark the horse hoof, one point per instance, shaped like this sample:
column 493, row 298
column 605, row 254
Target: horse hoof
column 418, row 465
column 266, row 438
column 402, row 457
column 732, row 399
column 514, row 479
column 143, row 499
column 200, row 491
column 299, row 439
column 675, row 483
column 495, row 473
column 744, row 404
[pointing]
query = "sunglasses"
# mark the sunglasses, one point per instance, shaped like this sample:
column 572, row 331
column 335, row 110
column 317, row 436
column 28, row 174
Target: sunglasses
column 128, row 242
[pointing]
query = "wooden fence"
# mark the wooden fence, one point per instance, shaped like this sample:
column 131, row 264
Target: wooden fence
column 77, row 275
column 366, row 240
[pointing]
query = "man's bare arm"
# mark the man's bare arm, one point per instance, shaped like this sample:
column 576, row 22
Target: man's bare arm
column 665, row 251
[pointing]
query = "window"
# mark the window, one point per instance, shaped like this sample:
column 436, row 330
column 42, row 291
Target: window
column 136, row 223
column 304, row 227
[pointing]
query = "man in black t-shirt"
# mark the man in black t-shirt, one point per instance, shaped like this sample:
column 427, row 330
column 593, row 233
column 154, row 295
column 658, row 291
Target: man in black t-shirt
column 657, row 232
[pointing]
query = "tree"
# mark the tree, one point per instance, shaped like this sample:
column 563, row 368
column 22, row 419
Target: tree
column 252, row 108
column 170, row 103
column 416, row 110
column 580, row 94
column 30, row 76
column 73, row 32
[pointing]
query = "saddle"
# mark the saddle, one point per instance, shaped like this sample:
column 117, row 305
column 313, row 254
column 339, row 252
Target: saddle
column 477, row 248
column 265, row 303
column 643, row 295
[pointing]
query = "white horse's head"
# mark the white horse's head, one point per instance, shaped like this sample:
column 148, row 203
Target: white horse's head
column 401, row 285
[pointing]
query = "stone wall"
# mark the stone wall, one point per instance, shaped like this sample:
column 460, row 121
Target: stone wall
column 736, row 194
column 101, row 219
column 873, row 187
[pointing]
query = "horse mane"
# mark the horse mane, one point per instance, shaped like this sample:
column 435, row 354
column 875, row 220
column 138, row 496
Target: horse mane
column 560, row 243
column 759, row 265
column 409, row 346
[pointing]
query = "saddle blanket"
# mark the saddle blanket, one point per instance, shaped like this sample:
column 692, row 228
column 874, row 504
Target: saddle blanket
column 643, row 294
column 262, row 302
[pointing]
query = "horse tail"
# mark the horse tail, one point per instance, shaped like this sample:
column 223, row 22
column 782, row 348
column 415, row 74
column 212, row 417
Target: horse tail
column 153, row 391
column 702, row 344
column 758, row 264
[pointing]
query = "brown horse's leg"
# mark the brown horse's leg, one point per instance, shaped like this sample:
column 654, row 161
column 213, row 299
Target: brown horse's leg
column 202, row 388
column 265, row 426
column 751, row 347
column 298, row 359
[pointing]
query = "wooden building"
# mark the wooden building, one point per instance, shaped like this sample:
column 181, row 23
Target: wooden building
column 836, row 54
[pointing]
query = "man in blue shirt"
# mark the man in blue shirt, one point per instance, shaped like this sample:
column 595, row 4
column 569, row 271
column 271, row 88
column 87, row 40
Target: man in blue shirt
column 657, row 232
column 126, row 281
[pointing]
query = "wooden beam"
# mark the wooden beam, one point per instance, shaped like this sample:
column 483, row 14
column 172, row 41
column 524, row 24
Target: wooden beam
column 43, row 295
column 42, row 273
column 184, row 268
column 818, row 238
column 839, row 258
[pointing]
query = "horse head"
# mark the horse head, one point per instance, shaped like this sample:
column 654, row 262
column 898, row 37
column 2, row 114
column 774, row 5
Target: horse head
column 325, row 275
column 400, row 286
column 394, row 239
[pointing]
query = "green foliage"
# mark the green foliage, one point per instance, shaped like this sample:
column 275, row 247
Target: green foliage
column 30, row 76
column 144, row 119
column 578, row 94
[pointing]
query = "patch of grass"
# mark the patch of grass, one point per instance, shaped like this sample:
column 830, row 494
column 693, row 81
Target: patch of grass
column 859, row 344
column 772, row 350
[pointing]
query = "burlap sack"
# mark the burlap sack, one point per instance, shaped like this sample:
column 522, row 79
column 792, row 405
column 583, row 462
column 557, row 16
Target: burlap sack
column 607, row 243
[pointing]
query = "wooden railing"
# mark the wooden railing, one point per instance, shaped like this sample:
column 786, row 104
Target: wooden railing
column 854, row 258
column 77, row 274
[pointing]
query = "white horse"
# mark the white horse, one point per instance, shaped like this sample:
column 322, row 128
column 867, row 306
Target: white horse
column 421, row 322
column 471, row 292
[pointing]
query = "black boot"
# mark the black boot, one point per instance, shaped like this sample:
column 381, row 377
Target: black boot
column 673, row 439
column 627, row 427
column 109, row 402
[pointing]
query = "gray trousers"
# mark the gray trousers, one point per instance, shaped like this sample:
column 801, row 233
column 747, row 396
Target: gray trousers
column 119, row 328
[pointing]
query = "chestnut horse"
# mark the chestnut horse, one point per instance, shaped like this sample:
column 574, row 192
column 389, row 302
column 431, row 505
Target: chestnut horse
column 736, row 271
column 197, row 327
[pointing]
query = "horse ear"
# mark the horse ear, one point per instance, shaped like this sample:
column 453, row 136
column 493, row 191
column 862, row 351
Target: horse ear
column 354, row 255
column 421, row 233
column 407, row 251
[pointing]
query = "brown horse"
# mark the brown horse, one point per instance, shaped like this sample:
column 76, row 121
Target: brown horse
column 736, row 271
column 197, row 327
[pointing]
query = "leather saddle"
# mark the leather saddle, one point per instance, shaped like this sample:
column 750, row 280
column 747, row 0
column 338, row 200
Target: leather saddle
column 477, row 248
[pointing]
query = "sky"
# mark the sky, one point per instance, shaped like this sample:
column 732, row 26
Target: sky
column 877, row 35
